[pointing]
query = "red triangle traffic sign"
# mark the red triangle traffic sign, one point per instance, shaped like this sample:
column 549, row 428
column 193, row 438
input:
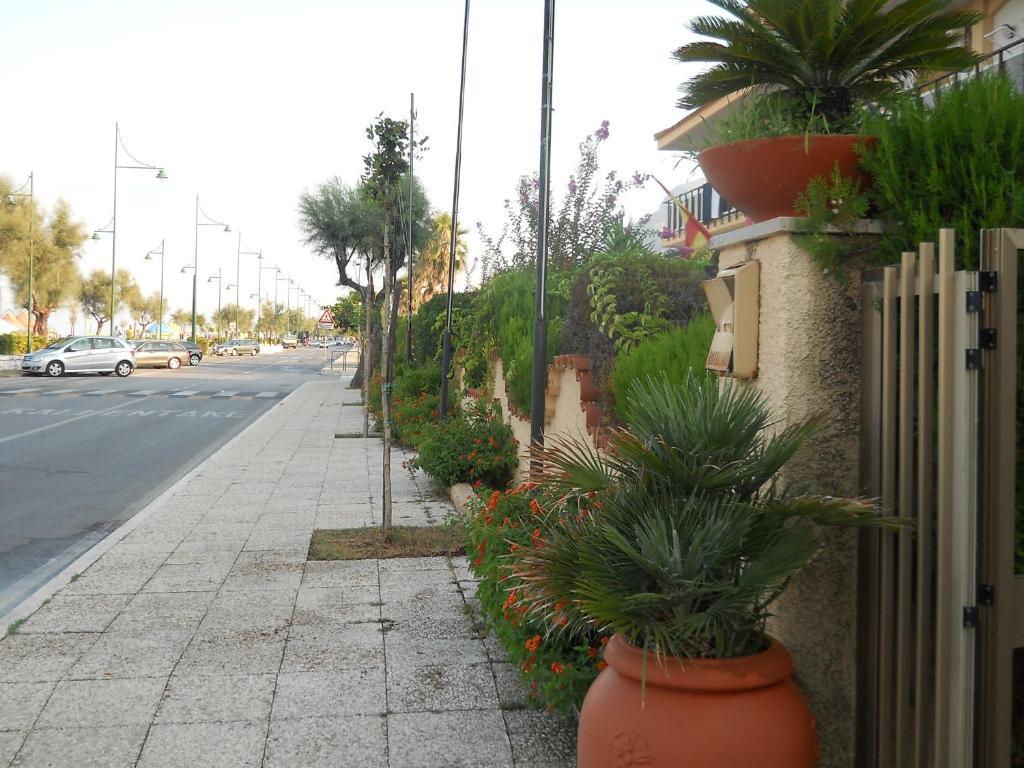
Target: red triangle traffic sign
column 326, row 318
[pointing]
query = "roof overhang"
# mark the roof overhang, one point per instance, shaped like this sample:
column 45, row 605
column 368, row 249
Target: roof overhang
column 695, row 130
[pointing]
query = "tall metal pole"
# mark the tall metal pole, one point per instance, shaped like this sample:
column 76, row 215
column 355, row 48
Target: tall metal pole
column 113, row 228
column 238, row 279
column 195, row 272
column 160, row 320
column 31, row 253
column 540, row 321
column 259, row 292
column 408, row 244
column 446, row 355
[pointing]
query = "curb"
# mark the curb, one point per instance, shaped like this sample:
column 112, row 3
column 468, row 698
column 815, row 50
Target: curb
column 461, row 494
column 33, row 602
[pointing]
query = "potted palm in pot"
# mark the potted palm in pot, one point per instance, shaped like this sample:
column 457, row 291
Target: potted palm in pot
column 810, row 67
column 690, row 542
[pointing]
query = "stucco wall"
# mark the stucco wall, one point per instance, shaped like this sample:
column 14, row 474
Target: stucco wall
column 569, row 397
column 808, row 364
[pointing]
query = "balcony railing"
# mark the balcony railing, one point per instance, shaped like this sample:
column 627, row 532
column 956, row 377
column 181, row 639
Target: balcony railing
column 1008, row 60
column 705, row 204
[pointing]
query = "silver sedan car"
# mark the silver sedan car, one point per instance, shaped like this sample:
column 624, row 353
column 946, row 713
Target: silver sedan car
column 81, row 354
column 160, row 354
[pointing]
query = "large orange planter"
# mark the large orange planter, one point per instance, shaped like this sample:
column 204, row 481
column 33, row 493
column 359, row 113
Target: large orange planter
column 704, row 713
column 762, row 177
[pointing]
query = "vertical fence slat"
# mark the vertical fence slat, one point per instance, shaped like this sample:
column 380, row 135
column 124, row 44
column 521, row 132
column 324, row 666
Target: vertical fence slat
column 905, row 504
column 944, row 507
column 965, row 517
column 868, row 545
column 925, row 504
column 886, row 585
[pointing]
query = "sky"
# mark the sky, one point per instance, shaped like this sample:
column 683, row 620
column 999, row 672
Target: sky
column 249, row 103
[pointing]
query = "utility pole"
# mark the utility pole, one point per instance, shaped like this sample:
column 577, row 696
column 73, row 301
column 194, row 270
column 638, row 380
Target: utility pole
column 540, row 321
column 446, row 354
column 408, row 248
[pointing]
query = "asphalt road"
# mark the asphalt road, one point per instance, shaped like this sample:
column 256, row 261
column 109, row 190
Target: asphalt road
column 81, row 454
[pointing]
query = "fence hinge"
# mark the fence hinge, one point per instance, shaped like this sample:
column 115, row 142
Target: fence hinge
column 988, row 282
column 970, row 616
column 973, row 359
column 974, row 301
column 986, row 594
column 987, row 338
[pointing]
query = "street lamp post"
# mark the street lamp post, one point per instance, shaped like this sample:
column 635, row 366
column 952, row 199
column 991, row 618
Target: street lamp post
column 238, row 274
column 276, row 281
column 139, row 166
column 259, row 288
column 234, row 287
column 210, row 222
column 219, row 278
column 31, row 183
column 160, row 320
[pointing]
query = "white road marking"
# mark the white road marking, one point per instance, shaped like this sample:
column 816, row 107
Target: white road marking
column 96, row 393
column 20, row 391
column 143, row 392
column 224, row 393
column 266, row 394
column 185, row 393
column 57, row 424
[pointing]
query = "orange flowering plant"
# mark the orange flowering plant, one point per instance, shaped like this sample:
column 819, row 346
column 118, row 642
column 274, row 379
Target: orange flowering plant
column 477, row 445
column 557, row 666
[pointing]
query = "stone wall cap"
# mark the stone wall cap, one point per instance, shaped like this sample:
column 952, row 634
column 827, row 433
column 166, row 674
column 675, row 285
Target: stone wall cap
column 784, row 225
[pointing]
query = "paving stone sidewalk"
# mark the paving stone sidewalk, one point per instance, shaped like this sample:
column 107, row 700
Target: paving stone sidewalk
column 204, row 638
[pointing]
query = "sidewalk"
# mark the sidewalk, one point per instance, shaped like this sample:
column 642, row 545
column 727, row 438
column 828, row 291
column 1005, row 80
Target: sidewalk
column 204, row 638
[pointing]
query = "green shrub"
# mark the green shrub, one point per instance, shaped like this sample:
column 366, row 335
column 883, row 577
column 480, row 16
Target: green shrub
column 557, row 666
column 15, row 343
column 669, row 356
column 412, row 416
column 624, row 295
column 502, row 321
column 428, row 325
column 468, row 447
column 411, row 381
column 958, row 164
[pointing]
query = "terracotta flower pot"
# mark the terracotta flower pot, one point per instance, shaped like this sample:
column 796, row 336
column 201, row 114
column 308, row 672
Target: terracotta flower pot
column 704, row 713
column 763, row 177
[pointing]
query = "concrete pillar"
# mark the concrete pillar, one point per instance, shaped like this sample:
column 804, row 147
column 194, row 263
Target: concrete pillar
column 809, row 358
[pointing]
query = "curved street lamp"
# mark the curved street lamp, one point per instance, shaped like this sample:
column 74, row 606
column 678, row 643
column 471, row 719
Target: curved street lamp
column 220, row 281
column 238, row 273
column 209, row 222
column 160, row 320
column 31, row 247
column 137, row 165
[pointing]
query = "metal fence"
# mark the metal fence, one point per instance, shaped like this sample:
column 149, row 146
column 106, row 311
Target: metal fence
column 940, row 610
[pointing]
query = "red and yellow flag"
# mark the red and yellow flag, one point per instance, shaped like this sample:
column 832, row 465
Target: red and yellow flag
column 695, row 234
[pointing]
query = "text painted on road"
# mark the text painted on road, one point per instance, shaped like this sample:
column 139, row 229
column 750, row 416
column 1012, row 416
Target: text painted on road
column 122, row 412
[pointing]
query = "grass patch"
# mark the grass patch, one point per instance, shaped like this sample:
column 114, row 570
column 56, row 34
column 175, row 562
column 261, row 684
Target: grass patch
column 14, row 626
column 369, row 543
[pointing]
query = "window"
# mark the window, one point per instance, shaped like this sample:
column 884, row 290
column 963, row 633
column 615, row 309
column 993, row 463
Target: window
column 103, row 344
column 81, row 345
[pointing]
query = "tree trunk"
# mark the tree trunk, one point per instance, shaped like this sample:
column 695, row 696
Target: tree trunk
column 99, row 325
column 42, row 321
column 367, row 361
column 388, row 343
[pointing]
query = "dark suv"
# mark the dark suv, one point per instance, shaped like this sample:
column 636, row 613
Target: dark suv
column 195, row 352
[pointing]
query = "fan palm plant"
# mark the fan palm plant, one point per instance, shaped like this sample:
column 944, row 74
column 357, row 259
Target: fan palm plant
column 691, row 537
column 823, row 56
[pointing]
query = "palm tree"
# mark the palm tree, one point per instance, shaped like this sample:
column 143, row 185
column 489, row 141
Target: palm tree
column 431, row 270
column 824, row 56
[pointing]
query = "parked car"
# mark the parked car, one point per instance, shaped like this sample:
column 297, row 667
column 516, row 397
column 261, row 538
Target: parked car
column 195, row 352
column 237, row 347
column 81, row 354
column 160, row 354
